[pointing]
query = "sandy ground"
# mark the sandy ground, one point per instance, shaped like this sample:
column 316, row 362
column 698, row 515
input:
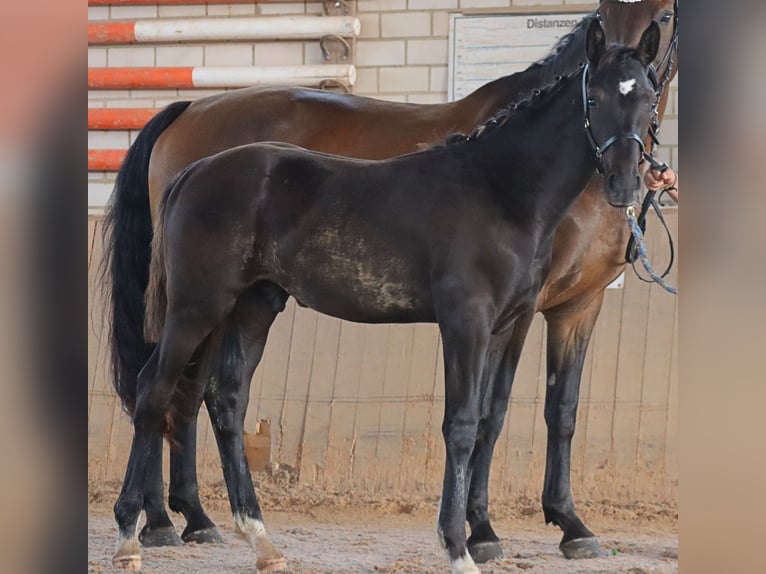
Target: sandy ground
column 323, row 534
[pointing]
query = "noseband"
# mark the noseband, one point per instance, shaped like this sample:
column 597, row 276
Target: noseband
column 599, row 149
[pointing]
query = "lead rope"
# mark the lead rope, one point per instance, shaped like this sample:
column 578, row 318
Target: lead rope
column 635, row 229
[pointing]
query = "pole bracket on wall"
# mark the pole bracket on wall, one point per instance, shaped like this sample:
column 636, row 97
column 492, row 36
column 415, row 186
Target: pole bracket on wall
column 336, row 7
column 334, row 86
column 334, row 48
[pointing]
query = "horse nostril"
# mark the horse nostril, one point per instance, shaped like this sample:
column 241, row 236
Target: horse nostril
column 638, row 182
column 611, row 180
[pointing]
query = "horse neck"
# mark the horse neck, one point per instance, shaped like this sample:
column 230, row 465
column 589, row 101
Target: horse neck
column 540, row 161
column 481, row 104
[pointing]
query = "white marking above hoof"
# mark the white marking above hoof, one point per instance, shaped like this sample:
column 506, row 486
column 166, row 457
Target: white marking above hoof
column 248, row 527
column 465, row 565
column 627, row 86
column 272, row 565
column 131, row 563
column 128, row 555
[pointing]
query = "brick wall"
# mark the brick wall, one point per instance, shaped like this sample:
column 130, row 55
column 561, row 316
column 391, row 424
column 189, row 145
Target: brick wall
column 401, row 55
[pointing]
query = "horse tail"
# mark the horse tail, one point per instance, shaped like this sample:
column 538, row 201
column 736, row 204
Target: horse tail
column 127, row 246
column 156, row 295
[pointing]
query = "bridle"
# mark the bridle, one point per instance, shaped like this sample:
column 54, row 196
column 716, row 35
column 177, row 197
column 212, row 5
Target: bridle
column 659, row 88
column 600, row 148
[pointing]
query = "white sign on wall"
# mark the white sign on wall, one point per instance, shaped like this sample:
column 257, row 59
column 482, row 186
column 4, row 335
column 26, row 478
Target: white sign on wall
column 484, row 47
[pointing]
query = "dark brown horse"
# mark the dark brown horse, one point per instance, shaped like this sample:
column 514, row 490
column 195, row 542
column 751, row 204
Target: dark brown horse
column 588, row 254
column 460, row 235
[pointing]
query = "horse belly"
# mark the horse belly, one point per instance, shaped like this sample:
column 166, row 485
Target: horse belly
column 386, row 288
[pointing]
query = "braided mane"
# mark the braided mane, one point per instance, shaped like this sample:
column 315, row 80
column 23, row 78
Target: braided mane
column 566, row 59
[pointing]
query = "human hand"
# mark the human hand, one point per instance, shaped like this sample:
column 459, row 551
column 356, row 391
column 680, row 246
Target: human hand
column 657, row 180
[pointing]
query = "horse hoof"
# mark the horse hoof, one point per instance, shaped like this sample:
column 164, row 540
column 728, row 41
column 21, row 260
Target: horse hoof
column 483, row 552
column 269, row 565
column 204, row 536
column 165, row 536
column 582, row 548
column 129, row 562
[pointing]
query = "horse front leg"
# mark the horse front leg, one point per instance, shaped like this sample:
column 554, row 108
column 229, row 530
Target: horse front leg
column 465, row 336
column 484, row 544
column 569, row 332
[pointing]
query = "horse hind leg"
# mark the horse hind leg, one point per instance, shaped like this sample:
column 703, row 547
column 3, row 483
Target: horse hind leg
column 159, row 529
column 227, row 400
column 184, row 330
column 184, row 488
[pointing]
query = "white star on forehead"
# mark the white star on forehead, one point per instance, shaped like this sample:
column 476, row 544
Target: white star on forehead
column 627, row 86
column 629, row 1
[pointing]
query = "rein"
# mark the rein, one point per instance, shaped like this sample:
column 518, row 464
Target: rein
column 638, row 235
column 636, row 247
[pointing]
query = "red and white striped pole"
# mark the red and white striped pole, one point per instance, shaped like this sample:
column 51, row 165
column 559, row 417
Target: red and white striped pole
column 222, row 29
column 119, row 118
column 217, row 77
column 105, row 159
column 174, row 2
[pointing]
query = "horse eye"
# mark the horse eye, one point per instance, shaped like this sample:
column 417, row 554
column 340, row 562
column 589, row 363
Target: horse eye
column 666, row 17
column 591, row 103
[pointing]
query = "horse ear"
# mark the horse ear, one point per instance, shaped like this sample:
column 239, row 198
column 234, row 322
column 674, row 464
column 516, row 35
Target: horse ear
column 649, row 45
column 595, row 42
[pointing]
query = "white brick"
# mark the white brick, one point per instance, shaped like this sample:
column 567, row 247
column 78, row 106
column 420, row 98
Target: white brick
column 427, row 51
column 130, row 12
column 370, row 25
column 180, row 56
column 129, row 103
column 278, row 54
column 381, row 5
column 282, row 8
column 96, row 57
column 439, row 79
column 366, row 81
column 229, row 55
column 405, row 24
column 108, row 140
column 96, row 104
column 98, row 12
column 107, row 94
column 130, row 56
column 183, row 11
column 312, row 53
column 409, row 79
column 379, row 53
column 669, row 132
column 539, row 2
column 471, row 4
column 440, row 24
column 231, row 9
column 197, row 93
column 153, row 94
column 432, row 4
